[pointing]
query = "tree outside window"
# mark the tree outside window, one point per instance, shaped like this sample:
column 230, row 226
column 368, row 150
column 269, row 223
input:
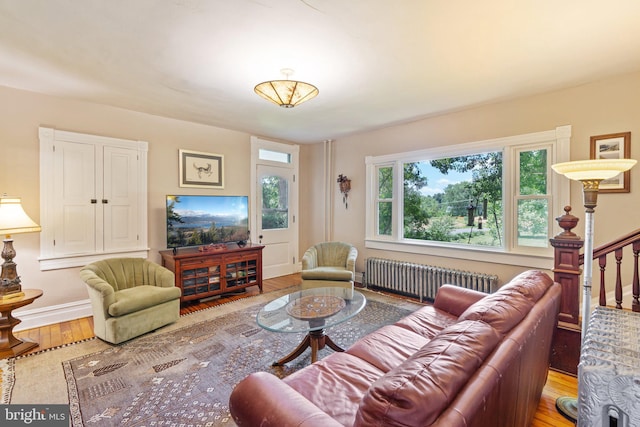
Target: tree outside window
column 455, row 199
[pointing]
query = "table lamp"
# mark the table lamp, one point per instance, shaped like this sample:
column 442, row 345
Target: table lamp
column 590, row 173
column 13, row 219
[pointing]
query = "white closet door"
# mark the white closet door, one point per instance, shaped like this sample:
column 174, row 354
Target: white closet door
column 75, row 193
column 120, row 198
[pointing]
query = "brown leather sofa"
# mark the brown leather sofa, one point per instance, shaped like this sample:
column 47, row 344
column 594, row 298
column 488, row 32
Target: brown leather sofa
column 470, row 359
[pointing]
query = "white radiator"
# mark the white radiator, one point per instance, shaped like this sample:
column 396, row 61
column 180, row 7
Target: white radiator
column 421, row 281
column 609, row 373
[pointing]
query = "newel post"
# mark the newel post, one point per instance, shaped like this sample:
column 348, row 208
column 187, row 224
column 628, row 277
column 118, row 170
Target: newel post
column 565, row 352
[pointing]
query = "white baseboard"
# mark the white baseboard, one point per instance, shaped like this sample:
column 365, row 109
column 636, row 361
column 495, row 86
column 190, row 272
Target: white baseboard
column 54, row 314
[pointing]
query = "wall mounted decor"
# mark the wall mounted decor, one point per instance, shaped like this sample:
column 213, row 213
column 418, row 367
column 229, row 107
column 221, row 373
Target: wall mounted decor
column 613, row 146
column 201, row 170
column 345, row 187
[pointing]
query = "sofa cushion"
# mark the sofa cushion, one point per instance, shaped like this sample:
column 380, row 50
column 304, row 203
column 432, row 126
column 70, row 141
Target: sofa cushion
column 135, row 299
column 328, row 273
column 333, row 253
column 334, row 383
column 438, row 370
column 427, row 321
column 510, row 304
column 501, row 310
column 387, row 347
column 532, row 284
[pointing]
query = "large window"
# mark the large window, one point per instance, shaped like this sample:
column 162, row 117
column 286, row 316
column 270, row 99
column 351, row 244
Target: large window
column 498, row 196
column 454, row 199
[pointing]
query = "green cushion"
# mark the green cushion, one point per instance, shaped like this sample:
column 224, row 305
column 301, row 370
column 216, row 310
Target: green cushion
column 141, row 297
column 328, row 273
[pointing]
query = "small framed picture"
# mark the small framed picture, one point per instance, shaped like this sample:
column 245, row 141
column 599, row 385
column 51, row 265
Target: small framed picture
column 613, row 146
column 201, row 170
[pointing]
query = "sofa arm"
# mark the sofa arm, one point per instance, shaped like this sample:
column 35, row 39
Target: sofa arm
column 351, row 260
column 99, row 287
column 164, row 277
column 455, row 299
column 310, row 259
column 262, row 399
column 101, row 295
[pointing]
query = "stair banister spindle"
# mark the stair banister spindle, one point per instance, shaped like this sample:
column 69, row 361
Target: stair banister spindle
column 635, row 305
column 602, row 262
column 618, row 254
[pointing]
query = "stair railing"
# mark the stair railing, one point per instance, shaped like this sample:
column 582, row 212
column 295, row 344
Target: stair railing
column 567, row 270
column 616, row 247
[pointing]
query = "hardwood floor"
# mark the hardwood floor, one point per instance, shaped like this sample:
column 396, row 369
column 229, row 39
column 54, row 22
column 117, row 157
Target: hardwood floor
column 51, row 336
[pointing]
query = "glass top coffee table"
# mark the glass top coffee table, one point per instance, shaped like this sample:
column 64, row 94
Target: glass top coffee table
column 311, row 311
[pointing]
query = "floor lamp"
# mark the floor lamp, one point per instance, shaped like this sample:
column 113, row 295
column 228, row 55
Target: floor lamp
column 590, row 173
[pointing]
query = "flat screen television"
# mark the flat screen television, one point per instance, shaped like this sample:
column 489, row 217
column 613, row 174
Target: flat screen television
column 203, row 220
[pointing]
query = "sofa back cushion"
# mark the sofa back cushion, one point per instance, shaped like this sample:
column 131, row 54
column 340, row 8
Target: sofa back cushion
column 510, row 304
column 332, row 254
column 532, row 284
column 125, row 273
column 419, row 389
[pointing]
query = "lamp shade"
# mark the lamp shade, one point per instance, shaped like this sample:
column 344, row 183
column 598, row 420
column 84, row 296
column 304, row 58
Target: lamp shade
column 13, row 219
column 599, row 169
column 286, row 93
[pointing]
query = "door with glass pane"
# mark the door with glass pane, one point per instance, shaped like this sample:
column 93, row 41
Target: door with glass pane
column 277, row 230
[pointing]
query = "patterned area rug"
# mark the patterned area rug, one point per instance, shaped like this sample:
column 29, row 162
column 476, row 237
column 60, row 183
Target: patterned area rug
column 7, row 377
column 184, row 377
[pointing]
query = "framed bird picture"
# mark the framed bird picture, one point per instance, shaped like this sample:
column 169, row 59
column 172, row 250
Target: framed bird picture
column 201, row 170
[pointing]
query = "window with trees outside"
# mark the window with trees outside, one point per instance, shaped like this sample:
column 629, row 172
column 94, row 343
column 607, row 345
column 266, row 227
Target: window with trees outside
column 275, row 203
column 498, row 196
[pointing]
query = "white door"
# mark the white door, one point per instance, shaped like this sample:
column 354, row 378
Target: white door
column 76, row 199
column 276, row 220
column 119, row 198
column 274, row 206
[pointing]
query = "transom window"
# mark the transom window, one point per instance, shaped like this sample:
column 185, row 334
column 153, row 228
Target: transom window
column 274, row 156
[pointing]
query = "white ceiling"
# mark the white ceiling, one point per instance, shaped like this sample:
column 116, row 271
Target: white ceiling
column 375, row 62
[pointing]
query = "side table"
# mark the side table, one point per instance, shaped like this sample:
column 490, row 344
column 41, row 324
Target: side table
column 11, row 346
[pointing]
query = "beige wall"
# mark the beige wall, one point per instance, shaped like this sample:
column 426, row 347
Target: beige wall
column 21, row 113
column 312, row 193
column 600, row 108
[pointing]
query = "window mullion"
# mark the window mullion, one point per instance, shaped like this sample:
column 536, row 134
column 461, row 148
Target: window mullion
column 398, row 200
column 509, row 193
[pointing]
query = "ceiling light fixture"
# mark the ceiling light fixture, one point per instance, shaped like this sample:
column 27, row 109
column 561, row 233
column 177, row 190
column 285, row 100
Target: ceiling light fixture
column 286, row 93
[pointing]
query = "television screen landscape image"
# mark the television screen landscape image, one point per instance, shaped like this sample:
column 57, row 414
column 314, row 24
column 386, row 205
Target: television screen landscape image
column 204, row 220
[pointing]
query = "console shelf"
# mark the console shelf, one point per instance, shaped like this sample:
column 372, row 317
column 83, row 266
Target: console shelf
column 201, row 274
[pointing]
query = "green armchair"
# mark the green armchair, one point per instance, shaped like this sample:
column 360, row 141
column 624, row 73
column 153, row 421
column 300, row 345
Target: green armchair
column 130, row 297
column 329, row 264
